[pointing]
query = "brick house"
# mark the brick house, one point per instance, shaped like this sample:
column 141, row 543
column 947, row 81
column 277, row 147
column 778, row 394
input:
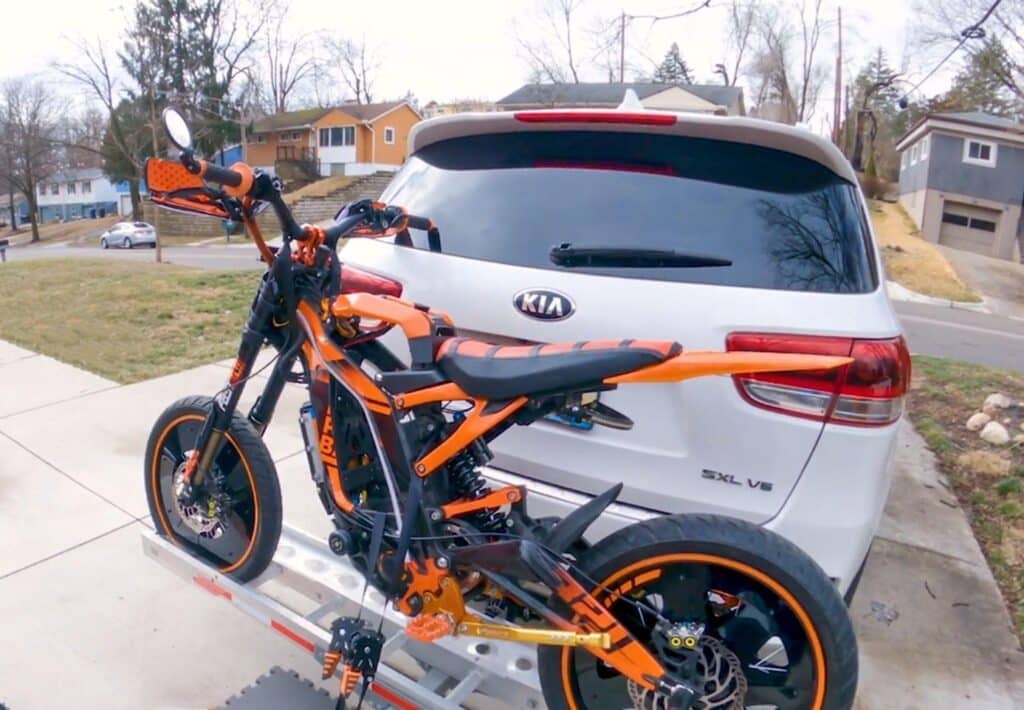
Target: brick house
column 351, row 139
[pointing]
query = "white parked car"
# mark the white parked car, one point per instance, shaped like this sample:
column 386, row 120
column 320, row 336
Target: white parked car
column 719, row 233
column 128, row 235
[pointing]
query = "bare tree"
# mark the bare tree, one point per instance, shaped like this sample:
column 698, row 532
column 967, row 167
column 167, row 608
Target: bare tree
column 548, row 44
column 29, row 115
column 812, row 74
column 289, row 63
column 97, row 75
column 740, row 22
column 964, row 24
column 358, row 63
column 785, row 70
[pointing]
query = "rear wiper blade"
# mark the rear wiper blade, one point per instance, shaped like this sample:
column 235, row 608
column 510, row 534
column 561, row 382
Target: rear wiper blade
column 570, row 256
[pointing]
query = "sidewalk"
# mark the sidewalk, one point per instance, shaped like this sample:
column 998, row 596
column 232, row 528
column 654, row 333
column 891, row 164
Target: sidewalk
column 93, row 623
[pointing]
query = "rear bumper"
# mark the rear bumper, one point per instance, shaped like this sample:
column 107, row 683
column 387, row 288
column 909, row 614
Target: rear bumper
column 832, row 514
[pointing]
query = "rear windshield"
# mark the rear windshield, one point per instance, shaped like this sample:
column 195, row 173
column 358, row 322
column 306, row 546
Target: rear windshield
column 784, row 221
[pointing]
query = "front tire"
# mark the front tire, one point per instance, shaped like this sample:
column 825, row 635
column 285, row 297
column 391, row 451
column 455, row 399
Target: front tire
column 103, row 244
column 671, row 563
column 238, row 539
column 127, row 243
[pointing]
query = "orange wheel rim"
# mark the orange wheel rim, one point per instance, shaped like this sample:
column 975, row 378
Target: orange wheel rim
column 817, row 651
column 154, row 478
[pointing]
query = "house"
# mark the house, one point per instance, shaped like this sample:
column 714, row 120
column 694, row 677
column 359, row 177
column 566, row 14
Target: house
column 18, row 204
column 124, row 195
column 74, row 194
column 434, row 109
column 351, row 139
column 962, row 181
column 691, row 98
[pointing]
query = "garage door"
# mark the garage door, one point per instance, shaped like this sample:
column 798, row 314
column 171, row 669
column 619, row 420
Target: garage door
column 968, row 227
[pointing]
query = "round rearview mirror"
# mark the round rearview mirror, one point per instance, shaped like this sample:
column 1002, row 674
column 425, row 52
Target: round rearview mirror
column 177, row 129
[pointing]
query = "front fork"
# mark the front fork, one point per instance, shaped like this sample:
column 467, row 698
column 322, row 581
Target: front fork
column 226, row 402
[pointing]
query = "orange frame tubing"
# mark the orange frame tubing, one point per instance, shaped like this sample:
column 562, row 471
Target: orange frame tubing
column 474, row 426
column 698, row 364
column 415, row 323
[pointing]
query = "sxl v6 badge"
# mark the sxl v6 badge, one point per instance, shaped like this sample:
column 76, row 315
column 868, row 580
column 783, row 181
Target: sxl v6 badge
column 711, row 475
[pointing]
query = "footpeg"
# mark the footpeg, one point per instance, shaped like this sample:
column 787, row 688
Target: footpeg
column 357, row 649
column 426, row 628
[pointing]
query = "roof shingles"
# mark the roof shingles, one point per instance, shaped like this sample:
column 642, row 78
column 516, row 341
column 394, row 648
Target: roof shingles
column 611, row 94
column 308, row 116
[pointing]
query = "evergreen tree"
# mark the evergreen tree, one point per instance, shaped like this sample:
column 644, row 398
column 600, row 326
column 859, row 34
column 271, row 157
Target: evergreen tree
column 673, row 68
column 977, row 86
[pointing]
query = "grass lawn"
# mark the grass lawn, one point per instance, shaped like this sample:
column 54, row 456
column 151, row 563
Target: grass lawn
column 59, row 232
column 127, row 322
column 987, row 479
column 912, row 261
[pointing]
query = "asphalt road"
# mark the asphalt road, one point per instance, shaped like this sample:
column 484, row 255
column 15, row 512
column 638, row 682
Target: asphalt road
column 980, row 338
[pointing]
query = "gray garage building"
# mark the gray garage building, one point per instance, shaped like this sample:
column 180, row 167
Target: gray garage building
column 962, row 181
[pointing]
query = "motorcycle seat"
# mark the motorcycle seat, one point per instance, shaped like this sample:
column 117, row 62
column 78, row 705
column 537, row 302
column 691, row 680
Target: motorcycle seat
column 491, row 371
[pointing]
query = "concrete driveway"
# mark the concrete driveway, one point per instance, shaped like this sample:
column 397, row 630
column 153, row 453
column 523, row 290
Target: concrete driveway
column 1001, row 282
column 92, row 623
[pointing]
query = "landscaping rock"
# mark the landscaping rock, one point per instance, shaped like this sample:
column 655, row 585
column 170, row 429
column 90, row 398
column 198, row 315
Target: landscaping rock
column 984, row 463
column 995, row 433
column 998, row 399
column 977, row 421
column 1018, row 440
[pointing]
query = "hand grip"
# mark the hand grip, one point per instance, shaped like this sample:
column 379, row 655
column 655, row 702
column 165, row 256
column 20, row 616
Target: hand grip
column 423, row 223
column 216, row 173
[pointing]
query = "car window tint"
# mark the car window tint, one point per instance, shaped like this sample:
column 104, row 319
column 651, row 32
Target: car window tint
column 786, row 222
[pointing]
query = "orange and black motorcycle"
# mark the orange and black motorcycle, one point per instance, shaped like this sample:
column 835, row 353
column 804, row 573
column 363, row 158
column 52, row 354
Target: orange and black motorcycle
column 682, row 611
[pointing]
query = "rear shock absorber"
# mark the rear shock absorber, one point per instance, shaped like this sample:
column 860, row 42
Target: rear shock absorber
column 466, row 482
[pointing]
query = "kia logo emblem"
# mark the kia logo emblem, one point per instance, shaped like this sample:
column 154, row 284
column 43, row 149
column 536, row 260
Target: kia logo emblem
column 543, row 304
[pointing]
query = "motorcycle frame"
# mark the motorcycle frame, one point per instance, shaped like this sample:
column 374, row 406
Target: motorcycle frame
column 299, row 325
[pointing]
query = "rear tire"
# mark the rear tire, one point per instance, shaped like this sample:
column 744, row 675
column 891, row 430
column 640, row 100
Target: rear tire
column 727, row 549
column 127, row 243
column 249, row 537
column 103, row 244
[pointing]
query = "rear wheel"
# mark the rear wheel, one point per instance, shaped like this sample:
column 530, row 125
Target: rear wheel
column 127, row 243
column 103, row 243
column 773, row 630
column 234, row 521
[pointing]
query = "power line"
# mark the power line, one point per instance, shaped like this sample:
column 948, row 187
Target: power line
column 974, row 31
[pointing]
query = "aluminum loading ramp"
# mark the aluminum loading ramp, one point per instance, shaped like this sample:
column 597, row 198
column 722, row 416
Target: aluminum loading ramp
column 306, row 587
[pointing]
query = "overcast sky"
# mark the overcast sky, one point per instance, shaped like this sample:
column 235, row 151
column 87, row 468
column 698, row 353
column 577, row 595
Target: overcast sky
column 447, row 49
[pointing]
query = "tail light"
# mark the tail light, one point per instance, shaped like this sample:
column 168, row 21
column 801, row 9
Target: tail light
column 358, row 281
column 867, row 392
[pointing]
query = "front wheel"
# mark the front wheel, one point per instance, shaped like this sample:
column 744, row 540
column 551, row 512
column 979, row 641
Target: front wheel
column 234, row 521
column 127, row 243
column 769, row 629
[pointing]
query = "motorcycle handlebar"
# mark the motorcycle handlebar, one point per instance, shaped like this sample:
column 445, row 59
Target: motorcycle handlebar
column 217, row 173
column 421, row 223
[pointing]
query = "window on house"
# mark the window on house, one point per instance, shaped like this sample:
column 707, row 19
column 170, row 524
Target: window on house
column 71, row 188
column 389, row 135
column 86, row 187
column 915, row 153
column 289, row 136
column 979, row 152
column 296, row 136
column 55, row 189
column 925, row 143
column 903, row 159
column 338, row 136
column 957, row 219
column 261, row 138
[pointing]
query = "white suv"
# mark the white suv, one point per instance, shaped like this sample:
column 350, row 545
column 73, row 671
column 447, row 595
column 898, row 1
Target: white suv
column 719, row 233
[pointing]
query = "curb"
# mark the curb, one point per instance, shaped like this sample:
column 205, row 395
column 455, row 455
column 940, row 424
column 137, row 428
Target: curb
column 898, row 292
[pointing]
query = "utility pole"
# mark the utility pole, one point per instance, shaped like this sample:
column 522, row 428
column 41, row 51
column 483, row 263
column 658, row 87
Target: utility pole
column 837, row 99
column 622, row 48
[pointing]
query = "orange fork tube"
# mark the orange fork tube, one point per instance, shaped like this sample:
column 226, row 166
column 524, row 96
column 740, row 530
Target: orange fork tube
column 698, row 364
